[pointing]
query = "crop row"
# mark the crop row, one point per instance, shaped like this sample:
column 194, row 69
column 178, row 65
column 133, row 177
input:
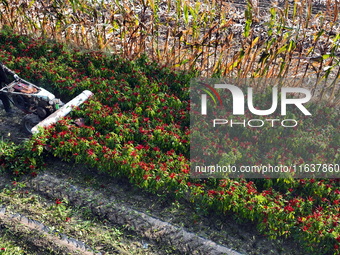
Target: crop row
column 137, row 127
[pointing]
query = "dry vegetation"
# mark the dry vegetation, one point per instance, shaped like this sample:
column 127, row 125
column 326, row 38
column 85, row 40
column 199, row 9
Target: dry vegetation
column 270, row 39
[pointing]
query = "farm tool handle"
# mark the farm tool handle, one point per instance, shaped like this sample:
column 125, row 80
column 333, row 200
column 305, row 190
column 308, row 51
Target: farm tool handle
column 63, row 111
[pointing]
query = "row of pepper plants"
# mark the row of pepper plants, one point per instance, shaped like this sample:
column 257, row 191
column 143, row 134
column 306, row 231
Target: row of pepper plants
column 137, row 128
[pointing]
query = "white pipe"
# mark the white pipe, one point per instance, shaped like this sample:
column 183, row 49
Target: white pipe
column 63, row 111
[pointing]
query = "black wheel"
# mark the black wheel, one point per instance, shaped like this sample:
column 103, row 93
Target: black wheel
column 21, row 102
column 29, row 121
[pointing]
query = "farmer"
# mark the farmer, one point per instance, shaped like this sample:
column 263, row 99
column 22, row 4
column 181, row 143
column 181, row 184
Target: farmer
column 4, row 70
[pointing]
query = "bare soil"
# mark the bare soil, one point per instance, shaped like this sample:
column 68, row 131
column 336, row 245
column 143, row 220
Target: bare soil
column 11, row 127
